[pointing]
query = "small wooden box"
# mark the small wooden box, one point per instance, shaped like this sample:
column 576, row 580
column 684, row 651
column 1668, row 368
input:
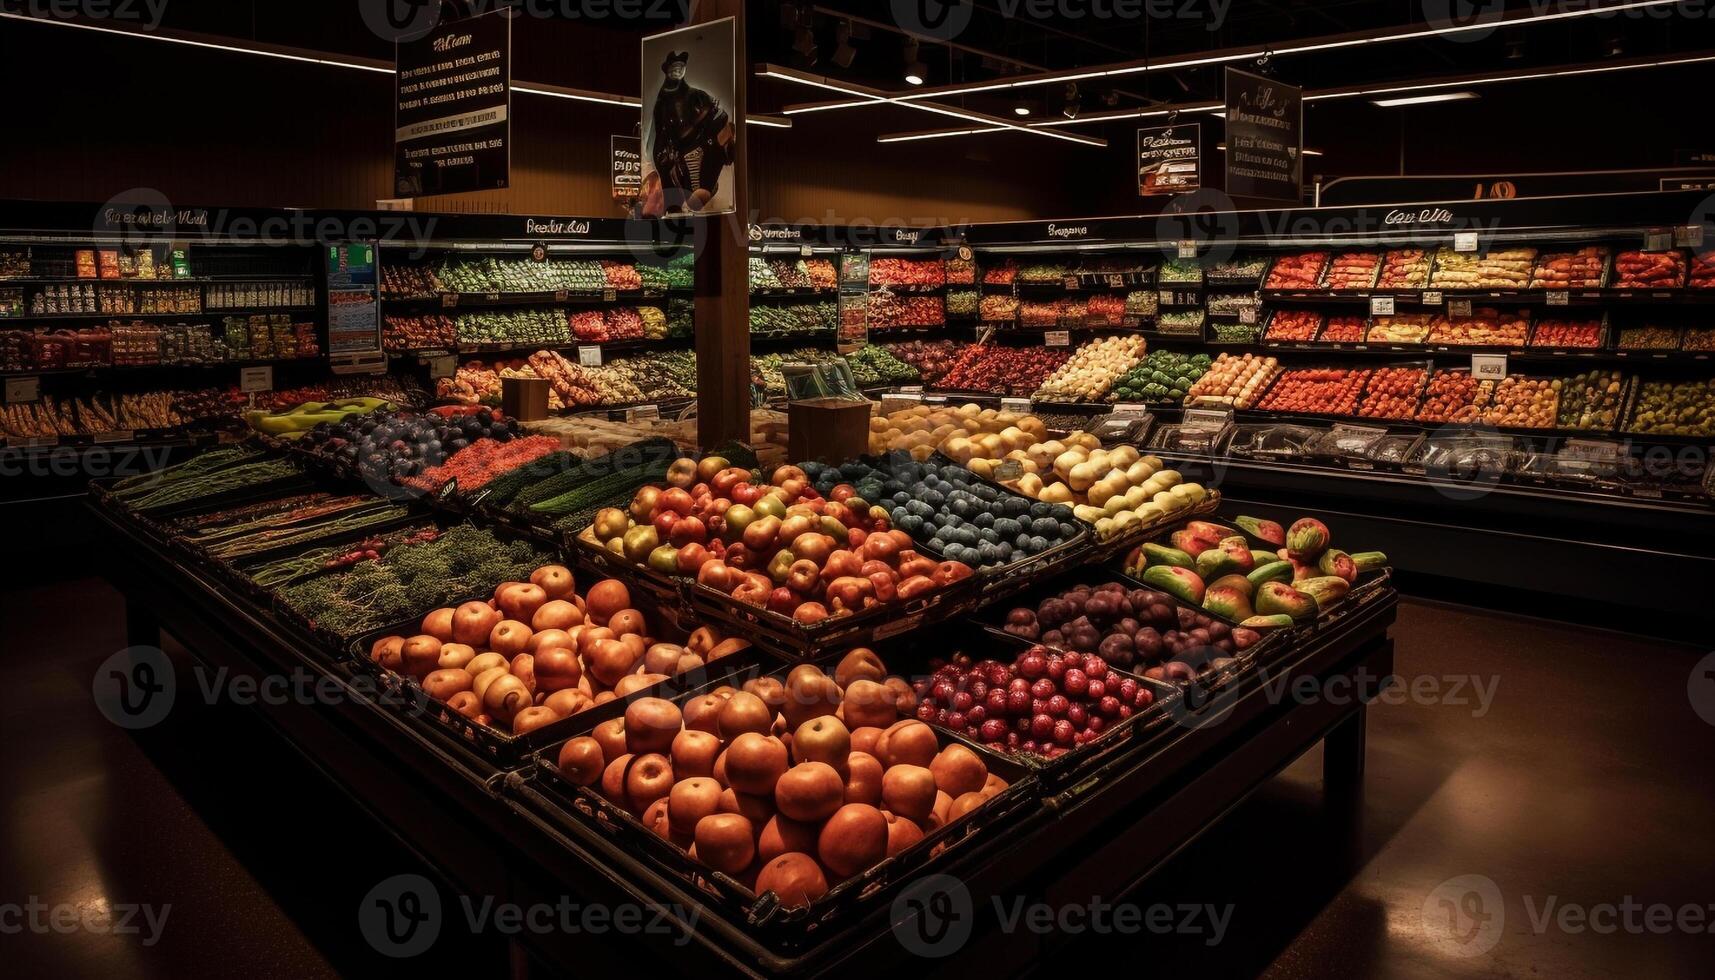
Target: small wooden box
column 524, row 399
column 829, row 429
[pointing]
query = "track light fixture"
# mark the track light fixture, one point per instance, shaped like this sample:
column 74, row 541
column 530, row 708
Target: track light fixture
column 916, row 72
column 1073, row 104
column 844, row 53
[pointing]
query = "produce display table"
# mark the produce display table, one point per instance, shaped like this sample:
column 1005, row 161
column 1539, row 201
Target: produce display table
column 491, row 833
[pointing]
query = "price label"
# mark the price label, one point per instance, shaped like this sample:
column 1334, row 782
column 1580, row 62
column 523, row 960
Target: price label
column 805, row 251
column 254, row 379
column 1432, row 297
column 1188, row 250
column 1688, row 236
column 1019, row 405
column 1465, row 241
column 911, row 390
column 117, row 435
column 1070, row 284
column 25, row 389
column 1381, row 306
column 1559, row 297
column 1131, row 409
column 643, row 413
column 1057, row 338
column 1658, row 239
column 443, row 366
column 449, row 300
column 1167, row 297
column 589, row 356
column 1489, row 367
column 1458, row 307
column 1247, row 315
column 560, row 295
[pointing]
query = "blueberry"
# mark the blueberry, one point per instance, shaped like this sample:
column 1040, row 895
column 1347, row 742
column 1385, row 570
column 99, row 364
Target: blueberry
column 983, row 519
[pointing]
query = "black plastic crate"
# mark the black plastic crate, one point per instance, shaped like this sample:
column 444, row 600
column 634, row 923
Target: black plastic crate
column 775, row 926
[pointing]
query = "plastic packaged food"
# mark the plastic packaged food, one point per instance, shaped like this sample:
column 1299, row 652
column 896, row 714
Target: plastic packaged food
column 1271, row 441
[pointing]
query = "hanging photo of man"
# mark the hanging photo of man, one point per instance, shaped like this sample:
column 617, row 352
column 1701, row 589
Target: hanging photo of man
column 690, row 138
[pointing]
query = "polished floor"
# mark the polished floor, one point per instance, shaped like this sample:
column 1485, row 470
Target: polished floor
column 1538, row 803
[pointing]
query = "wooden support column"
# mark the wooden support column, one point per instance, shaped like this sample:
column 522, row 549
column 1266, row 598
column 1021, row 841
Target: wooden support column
column 722, row 272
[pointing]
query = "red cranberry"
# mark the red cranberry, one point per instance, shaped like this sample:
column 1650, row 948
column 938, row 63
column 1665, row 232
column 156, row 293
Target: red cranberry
column 1017, row 702
column 941, row 716
column 1143, row 699
column 955, row 720
column 1109, row 706
column 1125, row 711
column 996, row 701
column 994, row 730
column 1063, row 732
column 1076, row 682
column 1128, row 690
column 1097, row 725
column 979, row 688
column 1038, row 706
column 927, row 712
column 1043, row 688
column 1032, row 665
column 1058, row 705
column 943, row 691
column 999, row 674
column 1095, row 666
column 1014, row 740
column 1018, row 684
column 1056, row 668
column 1042, row 726
column 1113, row 678
column 1077, row 714
column 1080, row 737
column 1096, row 691
column 962, row 701
column 977, row 715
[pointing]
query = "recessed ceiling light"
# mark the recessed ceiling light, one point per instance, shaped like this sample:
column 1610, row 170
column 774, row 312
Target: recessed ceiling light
column 1021, row 110
column 1422, row 99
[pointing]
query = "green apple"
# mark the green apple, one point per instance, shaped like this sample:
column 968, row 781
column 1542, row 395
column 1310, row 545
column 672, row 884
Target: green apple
column 665, row 559
column 772, row 505
column 639, row 542
column 738, row 517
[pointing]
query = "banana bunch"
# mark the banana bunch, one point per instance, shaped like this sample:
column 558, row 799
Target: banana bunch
column 294, row 423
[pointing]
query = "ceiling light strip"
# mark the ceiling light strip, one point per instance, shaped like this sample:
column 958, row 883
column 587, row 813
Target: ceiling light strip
column 846, row 88
column 1326, row 43
column 304, row 56
column 1469, row 81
